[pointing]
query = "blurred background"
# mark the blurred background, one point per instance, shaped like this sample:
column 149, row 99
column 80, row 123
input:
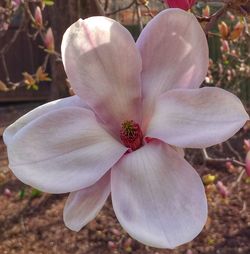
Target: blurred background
column 31, row 73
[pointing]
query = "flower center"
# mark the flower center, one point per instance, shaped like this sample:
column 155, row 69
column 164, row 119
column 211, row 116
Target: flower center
column 131, row 135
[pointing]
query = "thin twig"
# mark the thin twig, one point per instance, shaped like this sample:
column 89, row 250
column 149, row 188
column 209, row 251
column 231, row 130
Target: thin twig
column 236, row 153
column 6, row 72
column 122, row 8
column 211, row 160
column 149, row 13
column 139, row 17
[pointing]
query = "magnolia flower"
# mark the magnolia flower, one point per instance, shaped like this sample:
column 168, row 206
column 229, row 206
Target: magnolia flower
column 137, row 104
column 182, row 4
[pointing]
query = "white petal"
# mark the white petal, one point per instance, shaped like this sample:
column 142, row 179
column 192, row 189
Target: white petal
column 82, row 206
column 103, row 66
column 158, row 197
column 196, row 118
column 74, row 101
column 62, row 151
column 174, row 53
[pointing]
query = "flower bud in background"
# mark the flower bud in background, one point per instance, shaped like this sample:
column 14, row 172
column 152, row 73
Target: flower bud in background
column 38, row 17
column 248, row 163
column 7, row 192
column 223, row 29
column 223, row 190
column 206, row 11
column 230, row 167
column 182, row 4
column 237, row 31
column 144, row 2
column 224, row 46
column 49, row 40
column 15, row 4
column 246, row 147
column 3, row 87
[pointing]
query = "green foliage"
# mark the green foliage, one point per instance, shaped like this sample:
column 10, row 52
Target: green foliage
column 48, row 2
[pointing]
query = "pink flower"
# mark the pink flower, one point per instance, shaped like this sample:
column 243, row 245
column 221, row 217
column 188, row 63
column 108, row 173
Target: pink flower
column 137, row 105
column 182, row 4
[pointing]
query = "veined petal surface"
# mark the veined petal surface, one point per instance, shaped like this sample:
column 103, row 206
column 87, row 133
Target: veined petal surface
column 103, row 66
column 174, row 53
column 196, row 118
column 63, row 151
column 82, row 206
column 73, row 101
column 158, row 197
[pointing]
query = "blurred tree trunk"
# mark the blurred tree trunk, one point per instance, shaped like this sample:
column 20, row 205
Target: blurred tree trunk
column 61, row 15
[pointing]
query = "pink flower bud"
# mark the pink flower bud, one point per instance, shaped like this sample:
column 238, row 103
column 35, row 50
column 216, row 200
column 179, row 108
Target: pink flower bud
column 225, row 46
column 248, row 163
column 246, row 145
column 15, row 4
column 182, row 4
column 223, row 190
column 206, row 11
column 7, row 192
column 38, row 17
column 111, row 245
column 49, row 40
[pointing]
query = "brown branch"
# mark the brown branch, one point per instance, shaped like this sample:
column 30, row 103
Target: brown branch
column 14, row 37
column 149, row 13
column 139, row 17
column 6, row 72
column 121, row 9
column 215, row 161
column 236, row 153
column 212, row 19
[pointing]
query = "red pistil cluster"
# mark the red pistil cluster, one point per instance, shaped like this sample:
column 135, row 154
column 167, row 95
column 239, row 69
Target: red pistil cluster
column 131, row 135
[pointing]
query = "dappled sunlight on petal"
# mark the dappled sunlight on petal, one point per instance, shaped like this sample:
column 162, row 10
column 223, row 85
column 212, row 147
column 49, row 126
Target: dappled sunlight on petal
column 63, row 151
column 82, row 206
column 158, row 197
column 103, row 66
column 196, row 118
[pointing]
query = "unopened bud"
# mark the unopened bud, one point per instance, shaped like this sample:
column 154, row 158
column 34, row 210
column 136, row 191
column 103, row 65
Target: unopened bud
column 246, row 145
column 7, row 192
column 223, row 190
column 225, row 46
column 248, row 163
column 111, row 245
column 206, row 11
column 38, row 17
column 230, row 167
column 237, row 31
column 224, row 30
column 49, row 40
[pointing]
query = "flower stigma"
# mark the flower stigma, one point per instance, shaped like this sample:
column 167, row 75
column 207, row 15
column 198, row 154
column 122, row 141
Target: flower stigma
column 131, row 135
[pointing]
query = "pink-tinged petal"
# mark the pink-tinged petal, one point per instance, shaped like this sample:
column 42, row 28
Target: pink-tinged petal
column 174, row 53
column 196, row 118
column 63, row 151
column 182, row 4
column 82, row 206
column 158, row 197
column 73, row 101
column 103, row 66
column 248, row 163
